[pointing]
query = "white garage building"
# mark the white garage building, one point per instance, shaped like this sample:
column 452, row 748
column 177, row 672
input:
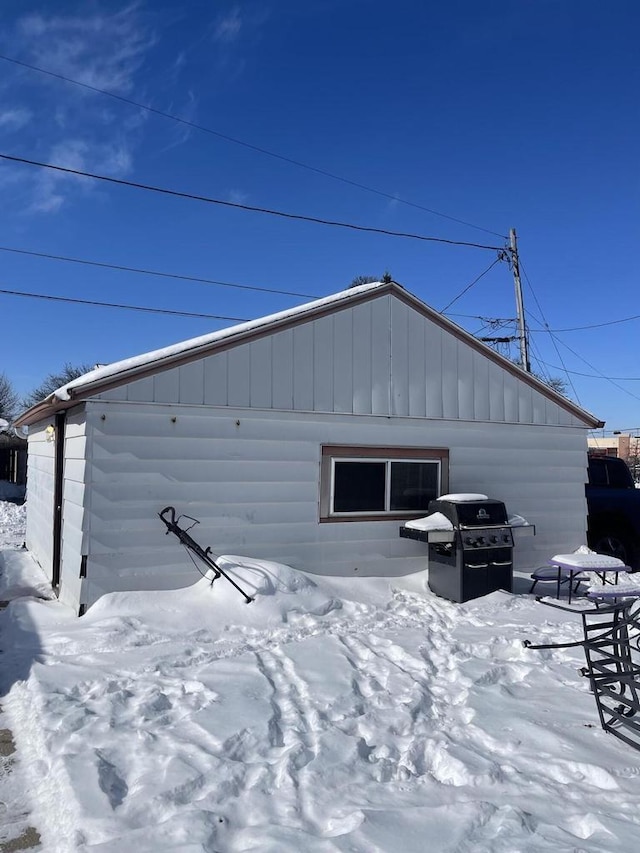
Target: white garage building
column 249, row 429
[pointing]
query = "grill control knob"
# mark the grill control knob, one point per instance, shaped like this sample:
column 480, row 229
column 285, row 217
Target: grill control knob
column 494, row 539
column 480, row 540
column 505, row 538
column 468, row 540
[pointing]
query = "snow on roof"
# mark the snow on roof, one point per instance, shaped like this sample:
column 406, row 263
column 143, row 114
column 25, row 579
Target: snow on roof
column 128, row 364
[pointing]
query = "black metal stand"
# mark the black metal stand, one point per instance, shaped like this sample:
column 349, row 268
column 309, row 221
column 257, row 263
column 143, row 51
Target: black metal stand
column 203, row 554
column 611, row 642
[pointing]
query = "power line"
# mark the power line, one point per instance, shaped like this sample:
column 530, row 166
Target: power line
column 554, row 338
column 238, row 206
column 594, row 375
column 600, row 325
column 571, row 329
column 551, row 335
column 248, row 145
column 475, row 281
column 92, row 302
column 121, row 268
column 599, row 372
column 541, row 366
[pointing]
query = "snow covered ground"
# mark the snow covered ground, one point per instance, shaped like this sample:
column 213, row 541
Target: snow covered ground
column 330, row 714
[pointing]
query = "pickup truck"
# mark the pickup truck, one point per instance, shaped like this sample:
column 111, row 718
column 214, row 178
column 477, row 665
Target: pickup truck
column 613, row 506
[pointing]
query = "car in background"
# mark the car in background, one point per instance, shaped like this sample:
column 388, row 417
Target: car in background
column 613, row 507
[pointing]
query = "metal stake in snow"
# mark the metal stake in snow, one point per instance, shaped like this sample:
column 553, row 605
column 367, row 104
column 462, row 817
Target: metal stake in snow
column 203, row 554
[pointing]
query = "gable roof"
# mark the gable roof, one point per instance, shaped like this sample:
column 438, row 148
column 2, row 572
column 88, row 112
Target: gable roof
column 121, row 372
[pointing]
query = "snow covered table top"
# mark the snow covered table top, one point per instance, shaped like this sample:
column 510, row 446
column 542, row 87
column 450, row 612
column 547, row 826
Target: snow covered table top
column 589, row 562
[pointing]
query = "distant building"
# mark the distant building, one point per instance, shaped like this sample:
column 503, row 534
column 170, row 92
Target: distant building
column 622, row 446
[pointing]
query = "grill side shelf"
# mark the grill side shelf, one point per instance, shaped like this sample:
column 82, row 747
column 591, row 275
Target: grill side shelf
column 427, row 535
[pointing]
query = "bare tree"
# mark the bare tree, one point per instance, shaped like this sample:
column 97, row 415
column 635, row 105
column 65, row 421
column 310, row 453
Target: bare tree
column 53, row 381
column 369, row 279
column 9, row 400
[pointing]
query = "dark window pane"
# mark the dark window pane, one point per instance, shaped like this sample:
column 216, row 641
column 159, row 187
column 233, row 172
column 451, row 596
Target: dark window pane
column 359, row 487
column 618, row 475
column 413, row 485
column 598, row 472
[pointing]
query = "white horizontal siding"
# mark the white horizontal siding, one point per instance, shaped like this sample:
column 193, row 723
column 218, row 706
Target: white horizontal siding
column 73, row 499
column 382, row 357
column 252, row 479
column 40, row 491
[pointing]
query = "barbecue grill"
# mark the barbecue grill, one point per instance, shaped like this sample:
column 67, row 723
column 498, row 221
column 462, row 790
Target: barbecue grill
column 474, row 558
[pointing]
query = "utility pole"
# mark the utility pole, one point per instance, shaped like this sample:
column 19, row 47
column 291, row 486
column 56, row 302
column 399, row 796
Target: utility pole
column 522, row 329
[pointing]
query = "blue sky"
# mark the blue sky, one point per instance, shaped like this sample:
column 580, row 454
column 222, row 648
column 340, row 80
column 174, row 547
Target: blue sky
column 498, row 113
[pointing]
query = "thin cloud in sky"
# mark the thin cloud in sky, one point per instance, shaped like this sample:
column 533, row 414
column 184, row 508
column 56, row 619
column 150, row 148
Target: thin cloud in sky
column 102, row 50
column 227, row 28
column 14, row 119
column 106, row 49
column 51, row 188
column 238, row 196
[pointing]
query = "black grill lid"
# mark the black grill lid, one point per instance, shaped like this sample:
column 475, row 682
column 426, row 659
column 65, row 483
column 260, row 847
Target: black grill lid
column 471, row 513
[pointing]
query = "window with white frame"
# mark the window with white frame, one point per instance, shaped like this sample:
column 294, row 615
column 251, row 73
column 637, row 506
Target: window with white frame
column 359, row 483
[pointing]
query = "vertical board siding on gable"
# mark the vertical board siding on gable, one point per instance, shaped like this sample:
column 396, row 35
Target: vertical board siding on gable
column 496, row 392
column 261, row 374
column 323, row 358
column 362, row 359
column 538, row 407
column 343, row 348
column 254, row 485
column 119, row 393
column 40, row 492
column 191, row 383
column 434, row 373
column 239, row 376
column 551, row 412
column 167, row 386
column 401, row 365
column 511, row 399
column 481, row 390
column 525, row 403
column 467, row 386
column 216, row 380
column 141, row 391
column 303, row 368
column 283, row 367
column 417, row 382
column 381, row 357
column 449, row 377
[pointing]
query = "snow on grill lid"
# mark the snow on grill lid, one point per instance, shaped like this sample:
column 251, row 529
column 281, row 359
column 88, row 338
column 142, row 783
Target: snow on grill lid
column 462, row 497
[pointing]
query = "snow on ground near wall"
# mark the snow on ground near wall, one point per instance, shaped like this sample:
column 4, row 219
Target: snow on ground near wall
column 12, row 518
column 330, row 714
